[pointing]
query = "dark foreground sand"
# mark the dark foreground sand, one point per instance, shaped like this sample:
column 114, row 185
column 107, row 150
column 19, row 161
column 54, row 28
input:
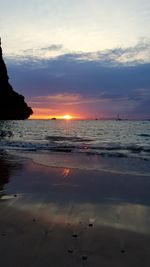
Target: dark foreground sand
column 64, row 217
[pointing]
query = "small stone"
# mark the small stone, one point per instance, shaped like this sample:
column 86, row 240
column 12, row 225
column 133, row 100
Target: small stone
column 45, row 232
column 3, row 234
column 70, row 250
column 15, row 195
column 74, row 235
column 84, row 257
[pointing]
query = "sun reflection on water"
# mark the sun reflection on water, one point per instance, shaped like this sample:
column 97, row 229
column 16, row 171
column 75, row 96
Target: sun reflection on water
column 66, row 172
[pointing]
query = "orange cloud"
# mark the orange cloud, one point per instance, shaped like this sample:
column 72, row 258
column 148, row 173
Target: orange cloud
column 64, row 99
column 59, row 105
column 61, row 98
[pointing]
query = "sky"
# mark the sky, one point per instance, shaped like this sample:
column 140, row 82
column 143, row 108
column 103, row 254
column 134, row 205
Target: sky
column 86, row 58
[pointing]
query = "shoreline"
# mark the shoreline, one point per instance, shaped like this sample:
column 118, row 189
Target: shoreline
column 127, row 166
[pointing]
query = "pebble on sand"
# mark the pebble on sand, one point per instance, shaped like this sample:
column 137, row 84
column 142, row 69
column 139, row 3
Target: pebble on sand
column 84, row 257
column 70, row 250
column 75, row 235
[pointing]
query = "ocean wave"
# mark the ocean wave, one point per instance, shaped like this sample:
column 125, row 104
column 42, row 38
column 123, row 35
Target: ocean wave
column 105, row 139
column 67, row 139
column 144, row 135
column 4, row 134
column 105, row 150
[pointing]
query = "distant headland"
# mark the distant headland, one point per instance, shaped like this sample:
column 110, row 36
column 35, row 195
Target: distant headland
column 12, row 104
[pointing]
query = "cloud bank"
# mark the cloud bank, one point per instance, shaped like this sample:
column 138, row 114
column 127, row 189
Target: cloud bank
column 100, row 83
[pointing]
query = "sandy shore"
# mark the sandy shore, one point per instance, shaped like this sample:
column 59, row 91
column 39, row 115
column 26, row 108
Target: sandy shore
column 68, row 217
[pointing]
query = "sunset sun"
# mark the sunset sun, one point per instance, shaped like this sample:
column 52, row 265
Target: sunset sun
column 66, row 117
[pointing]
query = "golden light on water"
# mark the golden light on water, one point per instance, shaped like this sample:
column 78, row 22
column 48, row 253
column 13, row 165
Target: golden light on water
column 66, row 172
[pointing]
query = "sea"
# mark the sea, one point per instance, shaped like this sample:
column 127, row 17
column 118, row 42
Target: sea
column 91, row 144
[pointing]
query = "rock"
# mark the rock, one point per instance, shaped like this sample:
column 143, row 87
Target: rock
column 70, row 250
column 74, row 235
column 3, row 234
column 84, row 257
column 12, row 104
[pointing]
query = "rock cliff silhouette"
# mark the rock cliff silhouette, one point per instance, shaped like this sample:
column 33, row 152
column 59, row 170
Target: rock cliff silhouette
column 12, row 104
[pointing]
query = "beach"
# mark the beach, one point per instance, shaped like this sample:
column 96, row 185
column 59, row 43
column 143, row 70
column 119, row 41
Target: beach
column 65, row 216
column 75, row 133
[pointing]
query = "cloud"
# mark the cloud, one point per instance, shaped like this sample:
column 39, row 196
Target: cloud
column 53, row 47
column 140, row 53
column 62, row 98
column 142, row 92
column 65, row 99
column 101, row 81
column 35, row 54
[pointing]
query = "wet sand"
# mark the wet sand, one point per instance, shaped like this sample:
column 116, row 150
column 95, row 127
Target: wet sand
column 65, row 217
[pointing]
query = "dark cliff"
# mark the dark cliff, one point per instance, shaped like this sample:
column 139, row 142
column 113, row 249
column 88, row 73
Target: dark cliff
column 12, row 104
